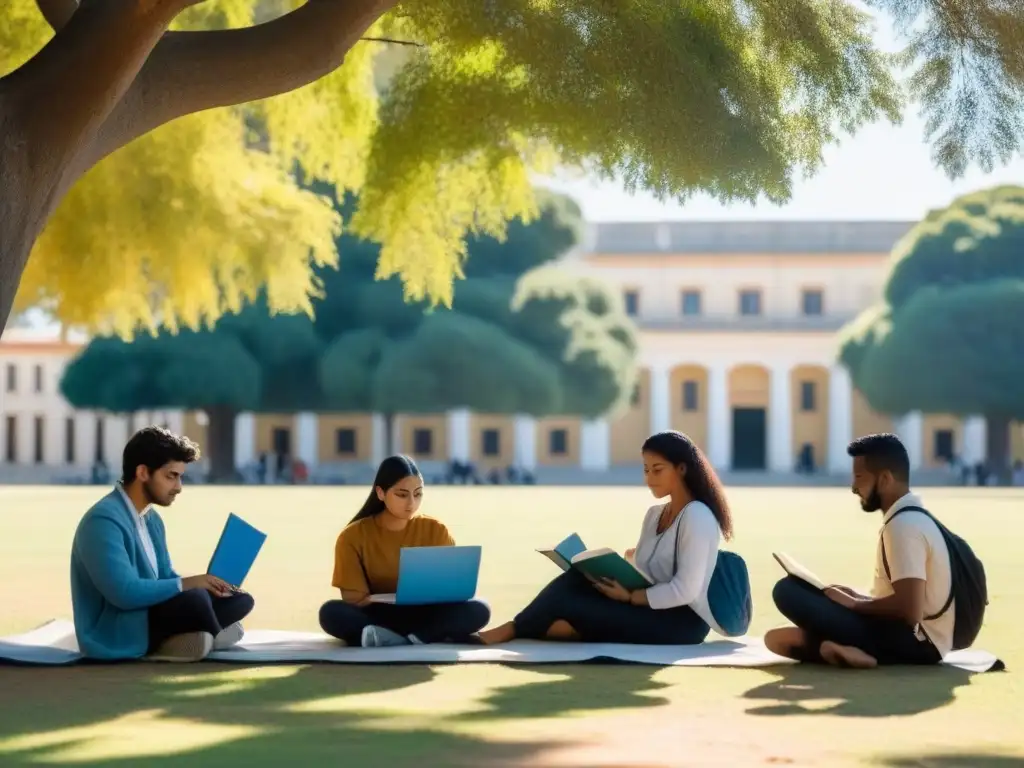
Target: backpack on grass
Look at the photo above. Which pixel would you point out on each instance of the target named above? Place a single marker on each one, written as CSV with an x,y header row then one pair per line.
x,y
728,592
968,593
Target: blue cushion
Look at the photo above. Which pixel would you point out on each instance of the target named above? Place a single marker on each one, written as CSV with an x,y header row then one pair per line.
x,y
729,595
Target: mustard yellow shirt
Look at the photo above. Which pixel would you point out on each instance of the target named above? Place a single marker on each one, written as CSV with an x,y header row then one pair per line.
x,y
366,554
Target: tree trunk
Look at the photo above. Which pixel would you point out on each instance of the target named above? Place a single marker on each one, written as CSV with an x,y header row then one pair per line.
x,y
220,439
997,448
112,73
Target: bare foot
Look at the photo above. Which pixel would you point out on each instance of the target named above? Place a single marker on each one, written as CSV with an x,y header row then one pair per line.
x,y
562,630
785,641
847,656
500,634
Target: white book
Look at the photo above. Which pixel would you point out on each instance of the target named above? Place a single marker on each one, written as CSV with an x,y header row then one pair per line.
x,y
384,597
795,569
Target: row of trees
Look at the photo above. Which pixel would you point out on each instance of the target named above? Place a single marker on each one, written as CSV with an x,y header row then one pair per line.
x,y
523,336
948,335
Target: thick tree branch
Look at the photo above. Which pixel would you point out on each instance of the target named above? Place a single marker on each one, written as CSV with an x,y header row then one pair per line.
x,y
62,96
190,72
57,12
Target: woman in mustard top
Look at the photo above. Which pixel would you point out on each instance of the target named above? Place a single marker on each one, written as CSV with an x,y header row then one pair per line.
x,y
366,563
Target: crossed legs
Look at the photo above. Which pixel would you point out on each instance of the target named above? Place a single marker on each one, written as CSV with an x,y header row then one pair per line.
x,y
826,632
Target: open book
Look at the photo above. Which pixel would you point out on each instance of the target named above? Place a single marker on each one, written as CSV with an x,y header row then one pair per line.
x,y
606,563
600,563
563,552
795,569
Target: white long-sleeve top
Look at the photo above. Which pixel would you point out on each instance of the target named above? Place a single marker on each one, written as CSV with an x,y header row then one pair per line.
x,y
681,559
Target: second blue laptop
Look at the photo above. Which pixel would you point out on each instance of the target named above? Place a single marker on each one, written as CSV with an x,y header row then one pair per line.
x,y
430,575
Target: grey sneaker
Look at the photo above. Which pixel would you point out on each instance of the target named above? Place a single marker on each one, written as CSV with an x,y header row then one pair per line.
x,y
191,646
379,637
228,637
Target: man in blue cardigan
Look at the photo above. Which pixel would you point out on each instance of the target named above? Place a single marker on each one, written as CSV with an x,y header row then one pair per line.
x,y
128,601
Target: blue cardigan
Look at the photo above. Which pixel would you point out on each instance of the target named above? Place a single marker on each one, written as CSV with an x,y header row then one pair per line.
x,y
112,581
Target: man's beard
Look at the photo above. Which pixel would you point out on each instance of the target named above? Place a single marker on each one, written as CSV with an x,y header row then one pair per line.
x,y
873,502
151,497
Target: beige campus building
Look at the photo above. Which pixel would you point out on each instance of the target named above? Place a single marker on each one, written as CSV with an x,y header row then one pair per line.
x,y
737,324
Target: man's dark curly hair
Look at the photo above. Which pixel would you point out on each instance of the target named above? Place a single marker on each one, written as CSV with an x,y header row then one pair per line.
x,y
154,447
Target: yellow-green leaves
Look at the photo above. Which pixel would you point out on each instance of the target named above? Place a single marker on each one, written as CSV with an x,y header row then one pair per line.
x,y
441,140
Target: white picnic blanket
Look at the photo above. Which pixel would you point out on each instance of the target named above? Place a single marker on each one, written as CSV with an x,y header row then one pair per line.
x,y
54,643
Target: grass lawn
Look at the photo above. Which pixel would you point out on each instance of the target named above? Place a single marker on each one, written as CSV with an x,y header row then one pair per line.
x,y
587,715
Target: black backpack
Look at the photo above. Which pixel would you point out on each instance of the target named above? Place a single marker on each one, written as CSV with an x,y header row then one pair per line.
x,y
969,587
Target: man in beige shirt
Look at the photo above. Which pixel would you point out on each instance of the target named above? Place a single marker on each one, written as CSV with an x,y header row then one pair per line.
x,y
902,621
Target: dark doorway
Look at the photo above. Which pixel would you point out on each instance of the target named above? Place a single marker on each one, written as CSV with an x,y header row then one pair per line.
x,y
749,439
281,438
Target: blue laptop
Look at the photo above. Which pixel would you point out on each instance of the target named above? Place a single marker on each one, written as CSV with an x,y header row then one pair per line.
x,y
428,575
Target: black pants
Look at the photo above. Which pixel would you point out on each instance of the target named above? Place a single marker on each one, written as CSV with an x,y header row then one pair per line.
x,y
196,610
597,619
445,622
889,641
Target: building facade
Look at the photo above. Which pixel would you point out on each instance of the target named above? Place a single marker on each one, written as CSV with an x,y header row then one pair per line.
x,y
737,324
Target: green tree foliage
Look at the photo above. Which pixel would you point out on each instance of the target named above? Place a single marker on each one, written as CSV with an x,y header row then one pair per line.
x,y
523,336
441,140
949,336
543,343
249,361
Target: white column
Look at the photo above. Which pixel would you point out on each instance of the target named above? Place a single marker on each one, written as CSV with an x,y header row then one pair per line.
x,y
115,435
975,446
719,419
396,434
25,436
595,445
378,439
54,429
661,399
245,439
525,442
307,438
85,439
910,428
780,421
840,419
459,435
176,421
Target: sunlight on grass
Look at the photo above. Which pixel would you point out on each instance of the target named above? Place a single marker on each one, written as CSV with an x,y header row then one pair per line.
x,y
212,715
146,733
227,682
456,690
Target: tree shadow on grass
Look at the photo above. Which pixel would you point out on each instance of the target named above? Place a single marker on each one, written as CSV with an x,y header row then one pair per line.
x,y
577,688
805,689
217,715
955,760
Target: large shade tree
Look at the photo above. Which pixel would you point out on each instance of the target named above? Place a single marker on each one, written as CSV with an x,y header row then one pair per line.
x,y
949,334
382,353
249,361
161,200
524,335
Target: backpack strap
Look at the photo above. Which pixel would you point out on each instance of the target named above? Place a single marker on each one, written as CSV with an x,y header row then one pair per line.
x,y
885,561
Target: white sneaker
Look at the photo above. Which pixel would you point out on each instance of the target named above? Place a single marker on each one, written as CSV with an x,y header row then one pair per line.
x,y
191,646
228,637
379,637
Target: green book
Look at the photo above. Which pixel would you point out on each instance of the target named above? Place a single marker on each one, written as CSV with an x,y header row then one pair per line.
x,y
563,552
608,564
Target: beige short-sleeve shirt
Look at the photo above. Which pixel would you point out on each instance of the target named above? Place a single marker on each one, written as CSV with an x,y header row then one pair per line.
x,y
915,549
